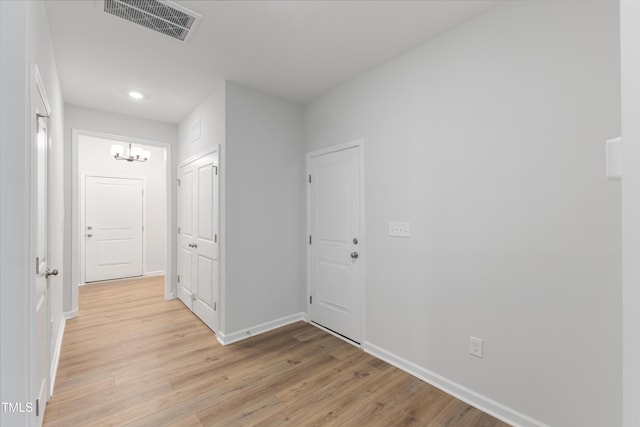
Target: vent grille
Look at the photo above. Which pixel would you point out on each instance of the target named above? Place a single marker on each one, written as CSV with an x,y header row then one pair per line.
x,y
162,16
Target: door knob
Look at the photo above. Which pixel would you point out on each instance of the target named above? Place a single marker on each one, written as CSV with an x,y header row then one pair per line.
x,y
48,273
354,255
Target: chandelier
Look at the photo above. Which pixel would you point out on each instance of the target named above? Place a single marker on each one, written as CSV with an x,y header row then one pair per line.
x,y
135,154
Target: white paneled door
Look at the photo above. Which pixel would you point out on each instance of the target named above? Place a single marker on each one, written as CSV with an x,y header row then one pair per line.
x,y
198,262
335,241
113,228
42,326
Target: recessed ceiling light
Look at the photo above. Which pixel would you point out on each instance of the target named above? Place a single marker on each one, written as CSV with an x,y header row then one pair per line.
x,y
135,95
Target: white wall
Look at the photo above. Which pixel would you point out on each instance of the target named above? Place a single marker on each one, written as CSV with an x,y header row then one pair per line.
x,y
630,38
489,140
261,200
87,119
94,158
14,210
25,40
204,128
264,208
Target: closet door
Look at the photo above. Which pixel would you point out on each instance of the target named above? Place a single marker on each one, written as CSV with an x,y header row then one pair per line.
x,y
206,241
186,233
198,238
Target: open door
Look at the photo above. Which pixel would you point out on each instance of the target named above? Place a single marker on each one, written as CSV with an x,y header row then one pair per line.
x,y
42,329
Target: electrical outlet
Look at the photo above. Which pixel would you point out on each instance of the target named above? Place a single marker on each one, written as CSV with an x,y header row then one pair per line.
x,y
399,229
475,346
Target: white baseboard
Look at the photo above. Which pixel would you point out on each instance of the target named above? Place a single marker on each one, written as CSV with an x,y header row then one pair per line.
x,y
477,400
56,352
144,275
71,314
258,329
153,273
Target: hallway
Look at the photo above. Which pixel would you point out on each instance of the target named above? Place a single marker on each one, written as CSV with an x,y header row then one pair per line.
x,y
133,358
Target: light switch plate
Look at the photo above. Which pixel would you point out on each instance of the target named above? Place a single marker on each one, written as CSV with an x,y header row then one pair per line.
x,y
475,347
399,229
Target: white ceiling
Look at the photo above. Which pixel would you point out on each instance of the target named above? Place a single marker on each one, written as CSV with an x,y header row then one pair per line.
x,y
294,49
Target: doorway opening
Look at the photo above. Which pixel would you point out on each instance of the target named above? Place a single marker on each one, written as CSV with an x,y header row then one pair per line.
x,y
122,215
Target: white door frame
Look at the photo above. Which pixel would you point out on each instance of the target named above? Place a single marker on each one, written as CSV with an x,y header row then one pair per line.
x,y
361,244
77,276
83,219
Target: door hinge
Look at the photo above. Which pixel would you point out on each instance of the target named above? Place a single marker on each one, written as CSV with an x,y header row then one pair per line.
x,y
215,306
178,230
216,168
39,116
142,227
37,407
309,239
37,265
309,179
310,299
178,278
215,238
178,182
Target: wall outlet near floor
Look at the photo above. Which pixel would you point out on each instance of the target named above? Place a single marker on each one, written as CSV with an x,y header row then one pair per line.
x,y
475,346
399,229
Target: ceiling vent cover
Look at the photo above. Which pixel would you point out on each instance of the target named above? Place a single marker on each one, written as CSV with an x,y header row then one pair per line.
x,y
165,17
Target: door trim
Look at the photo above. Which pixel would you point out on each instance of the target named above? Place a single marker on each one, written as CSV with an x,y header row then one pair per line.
x,y
76,277
362,264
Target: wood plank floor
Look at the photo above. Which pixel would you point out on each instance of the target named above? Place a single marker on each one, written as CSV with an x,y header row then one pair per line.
x,y
132,358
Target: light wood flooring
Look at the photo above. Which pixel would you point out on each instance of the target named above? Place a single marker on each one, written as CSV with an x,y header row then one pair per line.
x,y
132,358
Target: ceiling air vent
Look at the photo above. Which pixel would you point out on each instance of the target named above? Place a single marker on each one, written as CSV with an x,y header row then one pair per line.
x,y
163,16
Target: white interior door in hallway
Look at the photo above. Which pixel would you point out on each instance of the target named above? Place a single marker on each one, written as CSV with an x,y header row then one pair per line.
x,y
42,308
198,263
113,228
335,240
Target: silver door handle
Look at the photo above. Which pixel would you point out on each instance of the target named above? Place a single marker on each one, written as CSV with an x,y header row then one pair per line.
x,y
354,255
48,273
89,235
